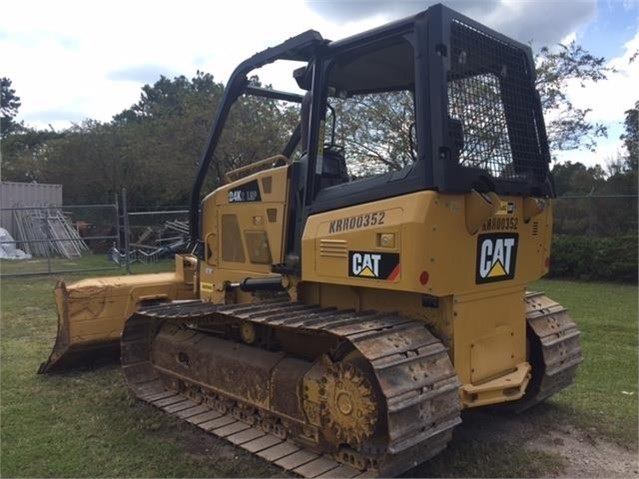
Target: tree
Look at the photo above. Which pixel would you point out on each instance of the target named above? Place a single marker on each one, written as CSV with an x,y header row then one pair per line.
x,y
575,179
24,149
631,137
9,106
375,131
256,128
169,98
85,161
153,147
25,153
593,203
568,127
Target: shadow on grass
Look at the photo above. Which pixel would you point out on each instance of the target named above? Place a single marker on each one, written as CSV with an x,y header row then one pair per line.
x,y
491,443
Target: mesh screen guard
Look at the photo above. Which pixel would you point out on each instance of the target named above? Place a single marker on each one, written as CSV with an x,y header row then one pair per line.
x,y
491,92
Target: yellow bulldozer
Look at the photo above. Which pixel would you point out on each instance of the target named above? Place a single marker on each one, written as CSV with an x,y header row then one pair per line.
x,y
340,307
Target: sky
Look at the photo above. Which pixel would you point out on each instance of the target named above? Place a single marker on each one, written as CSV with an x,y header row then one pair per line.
x,y
75,60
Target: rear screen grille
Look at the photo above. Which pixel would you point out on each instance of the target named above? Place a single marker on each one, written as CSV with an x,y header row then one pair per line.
x,y
490,91
477,103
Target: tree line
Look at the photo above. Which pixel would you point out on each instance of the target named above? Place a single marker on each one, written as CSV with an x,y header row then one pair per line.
x,y
152,147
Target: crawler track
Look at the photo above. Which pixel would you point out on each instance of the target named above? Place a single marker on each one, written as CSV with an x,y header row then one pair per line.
x,y
416,388
554,348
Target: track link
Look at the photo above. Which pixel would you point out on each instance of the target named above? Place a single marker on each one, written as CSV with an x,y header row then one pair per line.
x,y
416,380
554,349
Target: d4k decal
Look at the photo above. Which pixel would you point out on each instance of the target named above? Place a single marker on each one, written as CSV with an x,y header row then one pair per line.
x,y
246,193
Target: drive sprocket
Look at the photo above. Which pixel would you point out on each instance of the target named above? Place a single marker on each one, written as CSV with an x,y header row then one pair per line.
x,y
348,404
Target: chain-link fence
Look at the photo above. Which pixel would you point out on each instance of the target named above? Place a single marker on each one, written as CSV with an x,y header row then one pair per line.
x,y
83,238
153,235
78,238
59,239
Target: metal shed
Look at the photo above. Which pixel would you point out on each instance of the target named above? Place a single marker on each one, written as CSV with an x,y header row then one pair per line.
x,y
14,195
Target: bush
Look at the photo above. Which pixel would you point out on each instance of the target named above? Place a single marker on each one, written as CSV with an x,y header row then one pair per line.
x,y
609,259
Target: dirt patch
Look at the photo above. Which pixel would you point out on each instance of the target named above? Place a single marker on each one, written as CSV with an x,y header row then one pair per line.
x,y
587,455
488,443
584,453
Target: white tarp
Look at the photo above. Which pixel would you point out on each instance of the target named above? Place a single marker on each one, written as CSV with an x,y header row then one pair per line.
x,y
8,248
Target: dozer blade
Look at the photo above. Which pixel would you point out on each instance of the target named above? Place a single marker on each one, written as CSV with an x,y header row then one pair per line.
x,y
70,351
92,312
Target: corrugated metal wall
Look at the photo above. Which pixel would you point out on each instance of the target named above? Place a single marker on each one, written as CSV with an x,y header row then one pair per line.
x,y
13,194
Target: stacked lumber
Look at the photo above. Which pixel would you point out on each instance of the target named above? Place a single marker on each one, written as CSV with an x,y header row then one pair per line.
x,y
47,232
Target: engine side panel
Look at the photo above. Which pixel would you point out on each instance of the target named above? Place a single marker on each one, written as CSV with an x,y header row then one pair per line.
x,y
420,243
458,264
243,231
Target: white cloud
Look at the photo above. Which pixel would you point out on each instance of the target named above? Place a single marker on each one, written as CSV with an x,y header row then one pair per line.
x,y
607,149
571,37
69,60
608,100
74,60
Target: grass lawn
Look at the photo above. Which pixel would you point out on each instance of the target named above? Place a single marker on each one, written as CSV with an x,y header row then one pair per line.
x,y
604,398
85,423
44,265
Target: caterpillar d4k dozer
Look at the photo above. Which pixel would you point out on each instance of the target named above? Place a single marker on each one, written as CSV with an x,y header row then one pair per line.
x,y
334,325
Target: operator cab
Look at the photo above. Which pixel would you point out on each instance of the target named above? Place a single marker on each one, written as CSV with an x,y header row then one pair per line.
x,y
334,170
417,109
435,101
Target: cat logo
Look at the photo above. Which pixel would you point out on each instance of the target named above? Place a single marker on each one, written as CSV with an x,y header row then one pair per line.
x,y
365,264
496,257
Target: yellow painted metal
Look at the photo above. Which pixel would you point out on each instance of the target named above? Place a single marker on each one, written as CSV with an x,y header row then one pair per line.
x,y
490,334
469,292
446,276
340,398
511,386
533,207
479,207
431,235
243,239
254,167
92,312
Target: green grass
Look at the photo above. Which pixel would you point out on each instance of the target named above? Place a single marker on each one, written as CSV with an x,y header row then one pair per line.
x,y
68,266
85,423
602,402
604,397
